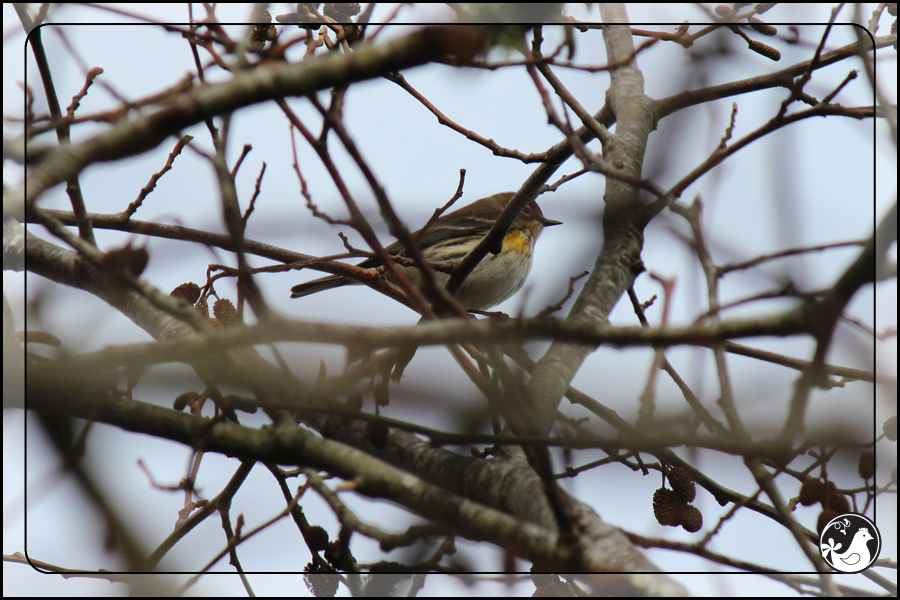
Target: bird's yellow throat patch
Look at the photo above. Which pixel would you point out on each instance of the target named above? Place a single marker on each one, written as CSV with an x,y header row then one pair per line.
x,y
517,240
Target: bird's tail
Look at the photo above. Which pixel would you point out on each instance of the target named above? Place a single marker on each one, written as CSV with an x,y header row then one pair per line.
x,y
318,285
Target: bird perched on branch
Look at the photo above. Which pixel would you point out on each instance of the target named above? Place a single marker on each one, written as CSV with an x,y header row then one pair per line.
x,y
451,237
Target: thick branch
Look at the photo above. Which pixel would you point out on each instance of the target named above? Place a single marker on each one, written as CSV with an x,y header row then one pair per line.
x,y
79,394
619,260
253,86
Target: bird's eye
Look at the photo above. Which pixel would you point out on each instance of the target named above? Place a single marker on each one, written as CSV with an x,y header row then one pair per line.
x,y
527,210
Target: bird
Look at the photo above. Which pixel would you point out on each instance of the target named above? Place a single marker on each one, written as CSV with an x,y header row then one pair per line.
x,y
855,558
451,237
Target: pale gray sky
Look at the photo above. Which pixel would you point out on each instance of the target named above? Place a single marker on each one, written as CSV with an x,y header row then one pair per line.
x,y
811,183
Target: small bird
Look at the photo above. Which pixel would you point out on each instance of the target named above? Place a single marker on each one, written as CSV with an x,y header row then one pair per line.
x,y
451,237
854,558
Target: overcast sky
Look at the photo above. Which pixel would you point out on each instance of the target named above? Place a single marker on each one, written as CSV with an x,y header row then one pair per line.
x,y
812,183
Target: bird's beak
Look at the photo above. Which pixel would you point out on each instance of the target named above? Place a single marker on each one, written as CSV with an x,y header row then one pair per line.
x,y
549,222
